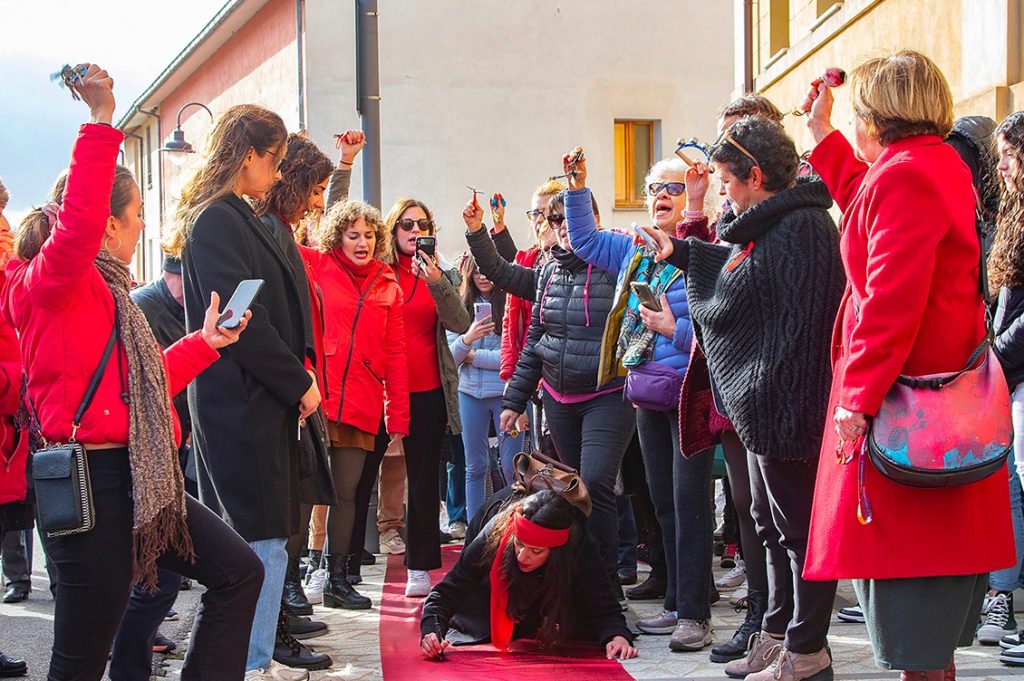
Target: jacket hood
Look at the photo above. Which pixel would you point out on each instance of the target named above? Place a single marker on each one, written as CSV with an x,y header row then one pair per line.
x,y
755,221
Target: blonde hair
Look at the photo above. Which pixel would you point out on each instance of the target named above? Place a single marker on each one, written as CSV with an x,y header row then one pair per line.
x,y
401,205
902,95
549,188
343,215
237,130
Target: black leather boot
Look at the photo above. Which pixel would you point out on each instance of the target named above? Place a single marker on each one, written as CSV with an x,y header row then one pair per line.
x,y
303,627
294,598
338,592
738,646
652,589
314,563
291,653
10,667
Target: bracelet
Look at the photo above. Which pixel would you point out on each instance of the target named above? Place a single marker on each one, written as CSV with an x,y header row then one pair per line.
x,y
345,163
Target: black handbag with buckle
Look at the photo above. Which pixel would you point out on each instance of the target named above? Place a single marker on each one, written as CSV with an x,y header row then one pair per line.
x,y
60,472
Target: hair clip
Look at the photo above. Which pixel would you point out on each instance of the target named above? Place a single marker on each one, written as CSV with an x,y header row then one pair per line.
x,y
69,76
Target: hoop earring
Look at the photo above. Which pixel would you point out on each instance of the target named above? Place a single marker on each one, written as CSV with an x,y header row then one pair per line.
x,y
117,248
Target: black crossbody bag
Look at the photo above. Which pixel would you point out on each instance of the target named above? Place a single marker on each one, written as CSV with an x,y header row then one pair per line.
x,y
60,472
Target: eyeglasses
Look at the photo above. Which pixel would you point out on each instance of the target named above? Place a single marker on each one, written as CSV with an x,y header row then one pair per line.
x,y
725,137
534,214
408,225
673,188
555,219
280,161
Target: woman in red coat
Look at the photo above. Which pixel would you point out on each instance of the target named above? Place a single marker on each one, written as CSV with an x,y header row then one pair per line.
x,y
912,307
67,295
364,370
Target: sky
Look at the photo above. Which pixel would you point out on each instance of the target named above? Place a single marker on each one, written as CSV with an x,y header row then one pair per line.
x,y
38,119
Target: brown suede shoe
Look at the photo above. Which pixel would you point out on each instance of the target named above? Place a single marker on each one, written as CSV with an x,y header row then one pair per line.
x,y
761,652
790,666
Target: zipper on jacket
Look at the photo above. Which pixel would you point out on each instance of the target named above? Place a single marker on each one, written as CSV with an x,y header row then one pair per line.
x,y
352,337
323,331
565,323
366,363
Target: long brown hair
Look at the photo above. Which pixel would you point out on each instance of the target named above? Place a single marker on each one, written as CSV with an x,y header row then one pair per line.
x,y
35,227
303,168
237,130
468,291
1006,261
401,205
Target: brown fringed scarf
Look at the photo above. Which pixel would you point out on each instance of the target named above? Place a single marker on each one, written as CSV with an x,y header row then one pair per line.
x,y
158,487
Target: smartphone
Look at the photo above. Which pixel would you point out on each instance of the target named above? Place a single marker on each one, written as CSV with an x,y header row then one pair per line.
x,y
643,291
240,301
481,311
645,236
427,244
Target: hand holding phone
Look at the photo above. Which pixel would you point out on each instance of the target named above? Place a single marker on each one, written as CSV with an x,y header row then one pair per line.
x,y
643,292
641,235
240,301
481,311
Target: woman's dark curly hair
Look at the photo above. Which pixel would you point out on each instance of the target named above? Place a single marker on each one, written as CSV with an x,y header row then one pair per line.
x,y
303,168
767,142
1006,261
552,595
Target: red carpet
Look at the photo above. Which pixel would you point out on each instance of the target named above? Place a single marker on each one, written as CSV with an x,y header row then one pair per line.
x,y
401,659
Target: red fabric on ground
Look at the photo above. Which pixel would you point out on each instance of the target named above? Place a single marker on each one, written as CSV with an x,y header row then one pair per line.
x,y
401,659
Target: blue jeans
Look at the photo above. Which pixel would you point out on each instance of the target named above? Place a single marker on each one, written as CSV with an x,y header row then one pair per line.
x,y
1010,578
477,415
274,557
455,498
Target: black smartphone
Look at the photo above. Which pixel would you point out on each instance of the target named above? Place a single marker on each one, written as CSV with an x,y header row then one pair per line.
x,y
240,301
643,291
427,244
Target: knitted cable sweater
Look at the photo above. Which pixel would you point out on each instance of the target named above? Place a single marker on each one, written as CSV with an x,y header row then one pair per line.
x,y
765,315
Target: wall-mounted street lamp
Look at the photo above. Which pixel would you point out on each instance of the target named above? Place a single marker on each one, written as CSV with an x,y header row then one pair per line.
x,y
176,142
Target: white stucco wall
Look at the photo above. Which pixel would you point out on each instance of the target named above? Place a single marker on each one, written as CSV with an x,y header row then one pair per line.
x,y
492,93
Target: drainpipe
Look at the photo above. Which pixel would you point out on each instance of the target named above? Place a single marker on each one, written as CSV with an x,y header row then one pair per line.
x,y
300,62
368,96
748,46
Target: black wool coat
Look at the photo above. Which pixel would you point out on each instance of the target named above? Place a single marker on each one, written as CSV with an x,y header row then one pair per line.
x,y
1008,325
245,407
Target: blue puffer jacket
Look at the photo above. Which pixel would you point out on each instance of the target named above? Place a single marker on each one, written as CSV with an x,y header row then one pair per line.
x,y
480,378
615,252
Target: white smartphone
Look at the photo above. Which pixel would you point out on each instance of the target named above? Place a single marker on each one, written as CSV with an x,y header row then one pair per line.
x,y
645,236
481,311
240,301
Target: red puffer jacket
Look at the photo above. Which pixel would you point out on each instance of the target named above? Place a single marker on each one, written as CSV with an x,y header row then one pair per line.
x,y
64,311
13,448
516,323
363,345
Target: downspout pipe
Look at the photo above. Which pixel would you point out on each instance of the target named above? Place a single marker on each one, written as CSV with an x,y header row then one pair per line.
x,y
368,96
748,46
300,64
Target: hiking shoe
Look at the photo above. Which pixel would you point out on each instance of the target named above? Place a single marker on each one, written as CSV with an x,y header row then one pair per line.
x,y
762,652
392,542
1013,656
457,530
662,625
733,578
314,588
277,672
853,614
729,556
1011,641
418,584
790,666
692,635
738,599
999,622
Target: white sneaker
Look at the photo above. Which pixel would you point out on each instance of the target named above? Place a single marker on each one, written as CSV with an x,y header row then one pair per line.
x,y
391,542
854,614
418,584
738,599
277,672
314,588
1011,641
457,530
733,578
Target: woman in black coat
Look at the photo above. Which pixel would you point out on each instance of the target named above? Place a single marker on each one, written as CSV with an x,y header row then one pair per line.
x,y
246,409
532,572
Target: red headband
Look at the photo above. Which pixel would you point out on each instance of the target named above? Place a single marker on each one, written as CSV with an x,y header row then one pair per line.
x,y
532,534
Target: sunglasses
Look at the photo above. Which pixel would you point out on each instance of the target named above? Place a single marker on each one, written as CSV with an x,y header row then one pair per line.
x,y
555,219
408,225
673,188
280,161
534,214
726,138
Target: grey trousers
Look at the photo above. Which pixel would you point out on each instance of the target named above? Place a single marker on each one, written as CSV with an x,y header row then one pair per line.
x,y
16,555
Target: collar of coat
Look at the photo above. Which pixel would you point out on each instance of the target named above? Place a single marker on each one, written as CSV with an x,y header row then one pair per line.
x,y
752,223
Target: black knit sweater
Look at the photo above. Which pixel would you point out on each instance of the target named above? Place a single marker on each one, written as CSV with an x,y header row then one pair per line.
x,y
765,314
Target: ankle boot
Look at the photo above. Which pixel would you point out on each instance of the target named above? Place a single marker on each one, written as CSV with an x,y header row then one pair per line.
x,y
293,598
315,557
291,653
338,592
751,627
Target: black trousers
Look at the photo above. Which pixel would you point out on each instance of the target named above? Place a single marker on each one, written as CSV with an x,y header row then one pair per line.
x,y
364,491
428,417
753,550
132,658
782,496
94,581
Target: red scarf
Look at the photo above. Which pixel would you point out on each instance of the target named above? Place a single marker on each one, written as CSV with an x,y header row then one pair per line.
x,y
359,272
531,534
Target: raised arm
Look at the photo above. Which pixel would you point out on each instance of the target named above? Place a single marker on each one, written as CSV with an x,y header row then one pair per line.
x,y
350,143
833,158
605,250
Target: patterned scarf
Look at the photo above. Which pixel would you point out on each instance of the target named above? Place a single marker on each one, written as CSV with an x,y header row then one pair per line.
x,y
158,487
636,340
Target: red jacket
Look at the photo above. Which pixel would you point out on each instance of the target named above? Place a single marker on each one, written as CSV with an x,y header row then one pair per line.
x,y
516,324
364,356
911,307
13,446
64,311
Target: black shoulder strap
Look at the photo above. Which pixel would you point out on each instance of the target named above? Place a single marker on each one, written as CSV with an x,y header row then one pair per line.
x,y
95,382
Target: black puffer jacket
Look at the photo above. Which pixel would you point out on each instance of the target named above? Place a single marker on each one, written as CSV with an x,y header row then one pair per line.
x,y
564,343
1009,328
